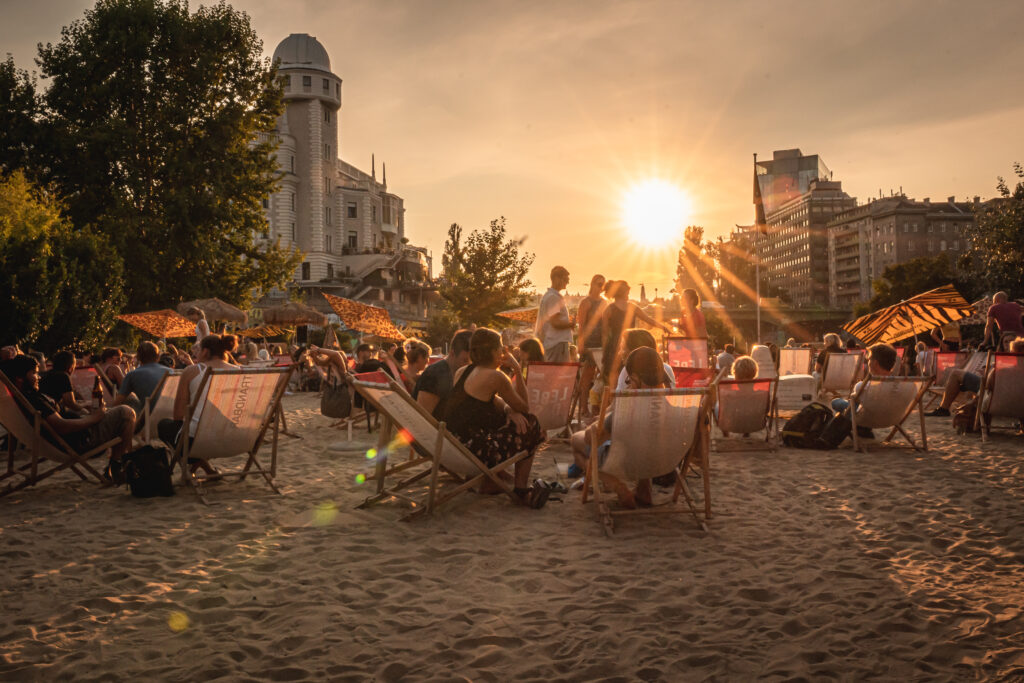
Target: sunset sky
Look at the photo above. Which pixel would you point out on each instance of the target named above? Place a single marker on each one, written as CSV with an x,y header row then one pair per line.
x,y
547,112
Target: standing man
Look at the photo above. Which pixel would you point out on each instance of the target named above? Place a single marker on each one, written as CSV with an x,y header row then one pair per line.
x,y
553,327
589,318
1004,315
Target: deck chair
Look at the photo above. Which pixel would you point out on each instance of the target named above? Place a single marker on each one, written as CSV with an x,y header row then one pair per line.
x,y
159,405
926,363
653,432
884,402
943,362
687,352
795,361
82,381
551,389
235,408
1003,395
31,432
762,355
744,407
439,450
688,378
840,373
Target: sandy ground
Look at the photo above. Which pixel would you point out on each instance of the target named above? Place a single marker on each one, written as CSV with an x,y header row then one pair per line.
x,y
890,565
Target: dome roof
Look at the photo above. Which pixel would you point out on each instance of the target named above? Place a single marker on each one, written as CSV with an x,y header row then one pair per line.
x,y
302,51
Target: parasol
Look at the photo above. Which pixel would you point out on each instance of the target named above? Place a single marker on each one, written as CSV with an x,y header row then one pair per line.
x,y
215,309
263,331
527,314
918,314
294,313
364,318
162,324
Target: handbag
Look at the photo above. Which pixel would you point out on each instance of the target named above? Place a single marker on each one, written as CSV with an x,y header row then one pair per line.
x,y
148,473
336,400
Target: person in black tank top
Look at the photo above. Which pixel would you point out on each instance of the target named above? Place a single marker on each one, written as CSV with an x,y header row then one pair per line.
x,y
492,418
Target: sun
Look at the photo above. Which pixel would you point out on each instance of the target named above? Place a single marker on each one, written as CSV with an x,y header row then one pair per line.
x,y
655,212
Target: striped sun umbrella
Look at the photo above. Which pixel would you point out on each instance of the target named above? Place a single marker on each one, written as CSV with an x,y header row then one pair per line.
x,y
915,315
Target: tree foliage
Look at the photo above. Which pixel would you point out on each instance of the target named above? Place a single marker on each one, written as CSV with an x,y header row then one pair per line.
x,y
695,267
483,274
150,131
901,281
19,112
996,253
61,286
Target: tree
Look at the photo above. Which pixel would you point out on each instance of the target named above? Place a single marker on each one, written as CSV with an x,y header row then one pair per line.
x,y
695,268
996,240
152,124
904,280
483,274
19,112
62,287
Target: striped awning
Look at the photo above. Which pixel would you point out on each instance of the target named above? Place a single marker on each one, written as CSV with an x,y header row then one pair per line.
x,y
916,315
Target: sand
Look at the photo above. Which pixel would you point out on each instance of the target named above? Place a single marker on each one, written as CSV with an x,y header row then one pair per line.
x,y
890,565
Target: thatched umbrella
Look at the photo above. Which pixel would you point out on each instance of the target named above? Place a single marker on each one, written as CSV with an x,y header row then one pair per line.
x,y
294,313
163,324
215,309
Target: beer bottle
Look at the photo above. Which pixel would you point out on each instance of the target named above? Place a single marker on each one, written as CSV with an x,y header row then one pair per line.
x,y
97,394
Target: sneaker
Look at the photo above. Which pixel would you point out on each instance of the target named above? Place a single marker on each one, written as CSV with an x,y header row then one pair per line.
x,y
575,471
938,412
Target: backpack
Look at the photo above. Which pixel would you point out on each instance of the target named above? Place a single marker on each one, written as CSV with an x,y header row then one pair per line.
x,y
148,473
963,417
803,429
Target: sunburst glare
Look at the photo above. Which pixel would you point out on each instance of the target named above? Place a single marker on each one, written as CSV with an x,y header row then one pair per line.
x,y
655,212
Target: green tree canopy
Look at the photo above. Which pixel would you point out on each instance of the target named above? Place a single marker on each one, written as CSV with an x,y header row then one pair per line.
x,y
996,253
152,123
904,280
483,274
695,266
19,113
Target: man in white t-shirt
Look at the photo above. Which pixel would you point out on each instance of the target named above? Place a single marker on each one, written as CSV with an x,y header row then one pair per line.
x,y
553,327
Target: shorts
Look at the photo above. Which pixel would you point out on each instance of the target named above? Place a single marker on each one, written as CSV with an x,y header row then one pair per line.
x,y
558,353
111,426
970,383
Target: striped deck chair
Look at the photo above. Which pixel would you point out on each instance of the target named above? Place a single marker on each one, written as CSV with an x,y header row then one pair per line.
x,y
159,405
744,407
884,402
655,431
46,449
235,409
840,373
405,422
687,352
551,390
1003,395
795,361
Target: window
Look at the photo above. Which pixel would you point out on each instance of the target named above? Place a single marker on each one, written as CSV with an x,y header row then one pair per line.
x,y
956,244
327,185
330,271
353,240
327,86
942,245
910,245
266,202
293,164
327,151
327,215
906,227
305,270
374,215
293,232
931,228
931,246
337,90
265,232
293,200
327,115
327,244
307,81
915,227
353,210
287,81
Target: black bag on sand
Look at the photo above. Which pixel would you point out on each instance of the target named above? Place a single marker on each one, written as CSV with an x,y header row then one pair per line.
x,y
803,429
964,416
336,401
835,432
148,472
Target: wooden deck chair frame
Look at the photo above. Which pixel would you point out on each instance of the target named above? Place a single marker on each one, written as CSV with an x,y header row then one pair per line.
x,y
183,451
769,425
697,456
31,432
983,421
840,392
432,452
897,425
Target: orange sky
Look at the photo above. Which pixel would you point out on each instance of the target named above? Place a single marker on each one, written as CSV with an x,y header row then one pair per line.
x,y
546,112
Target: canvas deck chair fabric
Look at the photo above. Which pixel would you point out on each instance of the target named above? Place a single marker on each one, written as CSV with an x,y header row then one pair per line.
x,y
795,361
159,405
361,413
943,362
551,389
47,456
887,402
652,434
744,407
689,378
1003,395
687,352
840,373
235,409
83,379
440,451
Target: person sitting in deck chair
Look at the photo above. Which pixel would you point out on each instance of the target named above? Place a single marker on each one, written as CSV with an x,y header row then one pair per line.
x,y
140,383
435,383
881,358
489,414
833,344
958,380
417,357
743,368
56,383
98,427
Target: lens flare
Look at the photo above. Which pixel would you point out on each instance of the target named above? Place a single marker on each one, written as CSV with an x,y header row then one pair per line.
x,y
371,454
178,621
324,513
360,478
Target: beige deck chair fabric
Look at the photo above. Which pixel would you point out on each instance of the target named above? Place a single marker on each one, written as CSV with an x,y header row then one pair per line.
x,y
235,408
839,374
82,380
1003,396
30,433
884,402
550,388
160,404
795,361
744,407
652,432
441,449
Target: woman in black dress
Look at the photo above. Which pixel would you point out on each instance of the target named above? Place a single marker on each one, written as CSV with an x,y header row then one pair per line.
x,y
490,415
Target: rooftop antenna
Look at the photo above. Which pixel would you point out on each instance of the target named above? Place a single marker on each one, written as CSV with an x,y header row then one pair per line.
x,y
373,166
384,170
